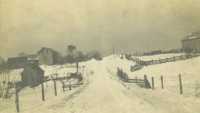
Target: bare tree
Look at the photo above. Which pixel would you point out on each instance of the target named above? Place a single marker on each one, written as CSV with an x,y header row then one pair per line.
x,y
71,53
71,48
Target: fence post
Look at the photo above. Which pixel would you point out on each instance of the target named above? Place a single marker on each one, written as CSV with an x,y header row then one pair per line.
x,y
70,86
63,86
162,83
197,89
136,79
152,79
55,87
146,82
43,95
180,84
77,66
17,98
174,58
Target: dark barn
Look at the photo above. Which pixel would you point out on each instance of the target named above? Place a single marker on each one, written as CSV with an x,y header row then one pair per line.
x,y
32,75
49,56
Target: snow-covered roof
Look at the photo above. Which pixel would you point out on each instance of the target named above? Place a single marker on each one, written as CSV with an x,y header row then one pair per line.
x,y
194,35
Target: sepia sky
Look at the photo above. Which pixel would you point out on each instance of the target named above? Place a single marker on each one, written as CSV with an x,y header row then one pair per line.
x,y
127,25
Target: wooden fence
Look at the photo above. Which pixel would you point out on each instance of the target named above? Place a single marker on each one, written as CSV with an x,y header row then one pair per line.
x,y
140,82
179,84
165,60
6,83
140,63
63,80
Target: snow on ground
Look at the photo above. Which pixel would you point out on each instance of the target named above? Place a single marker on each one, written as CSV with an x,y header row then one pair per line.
x,y
157,57
31,98
189,69
60,70
104,93
13,76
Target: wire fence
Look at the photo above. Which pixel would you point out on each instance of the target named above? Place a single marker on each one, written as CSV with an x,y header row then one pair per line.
x,y
7,81
182,84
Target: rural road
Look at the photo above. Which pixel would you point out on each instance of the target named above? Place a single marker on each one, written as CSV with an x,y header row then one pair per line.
x,y
105,94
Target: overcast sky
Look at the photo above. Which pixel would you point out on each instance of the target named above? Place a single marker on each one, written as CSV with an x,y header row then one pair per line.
x,y
129,25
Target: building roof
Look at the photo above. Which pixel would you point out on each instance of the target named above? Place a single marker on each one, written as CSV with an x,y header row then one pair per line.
x,y
44,49
192,36
33,66
17,59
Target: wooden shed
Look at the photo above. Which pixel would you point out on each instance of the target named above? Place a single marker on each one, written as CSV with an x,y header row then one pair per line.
x,y
32,75
191,43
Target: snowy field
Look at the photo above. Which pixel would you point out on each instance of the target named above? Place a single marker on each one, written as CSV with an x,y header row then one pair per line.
x,y
103,92
30,99
189,69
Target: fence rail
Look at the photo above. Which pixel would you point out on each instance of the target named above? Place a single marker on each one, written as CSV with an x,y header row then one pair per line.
x,y
164,60
140,82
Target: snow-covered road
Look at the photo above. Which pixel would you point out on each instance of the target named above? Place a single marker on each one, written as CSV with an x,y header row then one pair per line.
x,y
104,93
